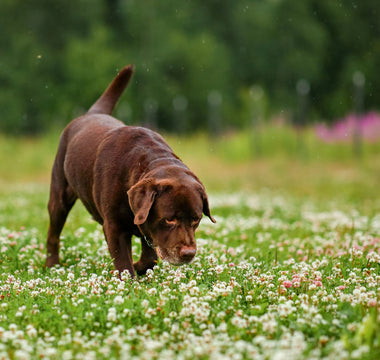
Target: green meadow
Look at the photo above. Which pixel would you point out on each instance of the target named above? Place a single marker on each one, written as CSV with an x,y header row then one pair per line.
x,y
291,269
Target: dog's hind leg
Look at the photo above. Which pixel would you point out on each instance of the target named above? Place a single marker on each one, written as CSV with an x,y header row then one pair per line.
x,y
62,199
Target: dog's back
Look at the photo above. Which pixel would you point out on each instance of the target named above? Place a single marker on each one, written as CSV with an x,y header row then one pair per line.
x,y
81,138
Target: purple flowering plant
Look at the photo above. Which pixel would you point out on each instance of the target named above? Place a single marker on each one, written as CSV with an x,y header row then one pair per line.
x,y
367,125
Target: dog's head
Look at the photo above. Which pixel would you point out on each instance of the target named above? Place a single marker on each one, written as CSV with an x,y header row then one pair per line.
x,y
169,211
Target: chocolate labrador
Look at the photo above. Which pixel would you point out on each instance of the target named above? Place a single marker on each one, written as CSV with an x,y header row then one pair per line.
x,y
131,182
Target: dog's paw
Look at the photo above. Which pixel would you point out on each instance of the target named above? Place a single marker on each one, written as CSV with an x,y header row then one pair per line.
x,y
51,261
141,268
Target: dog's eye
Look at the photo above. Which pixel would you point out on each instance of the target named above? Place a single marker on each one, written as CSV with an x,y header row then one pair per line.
x,y
171,222
195,222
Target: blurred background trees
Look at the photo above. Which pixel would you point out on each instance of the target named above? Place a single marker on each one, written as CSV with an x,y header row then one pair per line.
x,y
195,60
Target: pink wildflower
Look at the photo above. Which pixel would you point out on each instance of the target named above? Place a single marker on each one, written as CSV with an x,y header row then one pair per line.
x,y
231,251
372,302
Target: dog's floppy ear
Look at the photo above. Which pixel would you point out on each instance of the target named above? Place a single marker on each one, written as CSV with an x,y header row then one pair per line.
x,y
141,197
206,208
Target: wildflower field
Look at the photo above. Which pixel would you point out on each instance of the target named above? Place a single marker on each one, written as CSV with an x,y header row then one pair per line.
x,y
279,276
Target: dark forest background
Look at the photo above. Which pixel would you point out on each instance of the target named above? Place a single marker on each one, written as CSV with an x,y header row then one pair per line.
x,y
195,60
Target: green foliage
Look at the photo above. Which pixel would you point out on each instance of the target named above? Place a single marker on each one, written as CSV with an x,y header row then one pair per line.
x,y
57,57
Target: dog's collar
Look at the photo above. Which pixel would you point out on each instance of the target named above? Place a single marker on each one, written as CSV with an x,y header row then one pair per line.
x,y
147,239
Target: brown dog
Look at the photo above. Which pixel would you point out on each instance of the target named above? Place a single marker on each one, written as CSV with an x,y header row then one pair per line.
x,y
131,182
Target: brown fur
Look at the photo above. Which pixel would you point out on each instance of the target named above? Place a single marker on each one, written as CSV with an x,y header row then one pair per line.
x,y
130,181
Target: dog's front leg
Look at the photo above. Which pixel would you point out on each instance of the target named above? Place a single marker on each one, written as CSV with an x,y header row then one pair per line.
x,y
147,260
120,247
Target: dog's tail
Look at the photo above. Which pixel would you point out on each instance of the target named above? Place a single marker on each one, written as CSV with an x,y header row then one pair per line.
x,y
106,103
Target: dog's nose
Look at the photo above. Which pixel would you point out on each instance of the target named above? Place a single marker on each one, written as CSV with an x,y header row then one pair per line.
x,y
187,253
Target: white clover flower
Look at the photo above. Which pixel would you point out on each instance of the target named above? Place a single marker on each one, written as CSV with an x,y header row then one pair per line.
x,y
70,276
31,331
336,322
57,301
82,290
175,329
269,326
118,300
131,333
145,303
239,322
150,312
223,327
61,271
149,273
21,355
248,298
67,355
194,290
152,291
360,352
172,314
112,315
50,352
201,315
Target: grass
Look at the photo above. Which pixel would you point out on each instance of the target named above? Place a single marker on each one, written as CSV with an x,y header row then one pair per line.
x,y
290,269
231,163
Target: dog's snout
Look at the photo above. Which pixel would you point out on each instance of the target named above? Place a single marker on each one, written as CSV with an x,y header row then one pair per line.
x,y
187,253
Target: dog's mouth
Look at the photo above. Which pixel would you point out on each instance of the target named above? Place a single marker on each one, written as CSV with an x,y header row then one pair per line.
x,y
176,256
